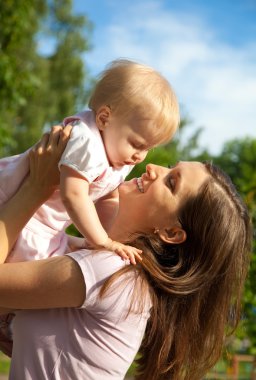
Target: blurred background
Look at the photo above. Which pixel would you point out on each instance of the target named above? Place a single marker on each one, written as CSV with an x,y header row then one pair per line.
x,y
51,52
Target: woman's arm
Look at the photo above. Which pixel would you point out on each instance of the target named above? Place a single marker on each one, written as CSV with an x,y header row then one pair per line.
x,y
56,282
4,311
50,283
35,190
14,215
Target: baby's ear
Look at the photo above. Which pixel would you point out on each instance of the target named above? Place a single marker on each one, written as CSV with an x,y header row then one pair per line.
x,y
102,117
174,235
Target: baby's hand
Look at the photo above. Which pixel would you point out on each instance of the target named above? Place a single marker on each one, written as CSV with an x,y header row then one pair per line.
x,y
125,251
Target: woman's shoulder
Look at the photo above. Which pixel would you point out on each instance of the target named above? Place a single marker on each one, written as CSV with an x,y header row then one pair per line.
x,y
103,263
98,267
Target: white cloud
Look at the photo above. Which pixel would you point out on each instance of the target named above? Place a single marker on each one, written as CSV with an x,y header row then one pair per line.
x,y
216,82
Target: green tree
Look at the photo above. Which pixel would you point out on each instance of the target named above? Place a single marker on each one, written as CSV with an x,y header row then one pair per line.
x,y
19,22
38,90
238,159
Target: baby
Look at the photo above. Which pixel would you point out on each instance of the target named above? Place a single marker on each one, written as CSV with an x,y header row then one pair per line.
x,y
131,110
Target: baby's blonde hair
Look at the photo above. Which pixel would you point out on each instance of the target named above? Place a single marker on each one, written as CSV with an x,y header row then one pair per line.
x,y
128,87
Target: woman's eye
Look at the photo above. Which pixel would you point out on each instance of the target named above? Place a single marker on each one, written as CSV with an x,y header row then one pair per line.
x,y
172,183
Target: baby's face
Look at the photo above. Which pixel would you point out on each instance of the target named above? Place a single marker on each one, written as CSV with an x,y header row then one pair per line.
x,y
127,141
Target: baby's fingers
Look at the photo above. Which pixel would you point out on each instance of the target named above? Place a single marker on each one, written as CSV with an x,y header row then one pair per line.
x,y
134,254
121,252
138,254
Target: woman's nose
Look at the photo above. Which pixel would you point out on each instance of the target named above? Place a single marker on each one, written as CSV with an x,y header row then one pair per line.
x,y
151,171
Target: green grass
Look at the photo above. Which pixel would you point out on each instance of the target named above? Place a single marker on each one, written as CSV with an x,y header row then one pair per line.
x,y
131,370
4,364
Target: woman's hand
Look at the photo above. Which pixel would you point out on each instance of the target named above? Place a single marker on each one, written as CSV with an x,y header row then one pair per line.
x,y
44,157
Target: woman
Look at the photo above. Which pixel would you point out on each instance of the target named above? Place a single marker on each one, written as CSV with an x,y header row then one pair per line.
x,y
194,231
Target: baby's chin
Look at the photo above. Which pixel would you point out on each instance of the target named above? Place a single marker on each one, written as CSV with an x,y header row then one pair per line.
x,y
119,164
116,165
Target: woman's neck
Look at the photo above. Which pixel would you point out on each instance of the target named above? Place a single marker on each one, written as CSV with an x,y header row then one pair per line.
x,y
121,231
127,225
119,234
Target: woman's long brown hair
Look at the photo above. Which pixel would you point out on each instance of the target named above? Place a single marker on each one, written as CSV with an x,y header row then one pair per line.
x,y
196,286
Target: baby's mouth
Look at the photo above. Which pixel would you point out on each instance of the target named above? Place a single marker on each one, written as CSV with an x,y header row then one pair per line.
x,y
140,184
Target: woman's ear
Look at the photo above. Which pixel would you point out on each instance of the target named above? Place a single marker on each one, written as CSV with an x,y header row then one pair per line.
x,y
102,117
174,235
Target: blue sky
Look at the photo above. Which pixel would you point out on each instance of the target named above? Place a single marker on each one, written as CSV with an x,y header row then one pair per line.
x,y
205,48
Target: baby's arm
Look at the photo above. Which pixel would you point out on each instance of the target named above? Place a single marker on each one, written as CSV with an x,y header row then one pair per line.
x,y
75,195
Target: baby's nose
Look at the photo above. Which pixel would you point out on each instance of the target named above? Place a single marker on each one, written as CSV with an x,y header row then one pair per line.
x,y
139,156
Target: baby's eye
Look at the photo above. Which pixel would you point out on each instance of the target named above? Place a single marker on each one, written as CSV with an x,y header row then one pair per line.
x,y
137,145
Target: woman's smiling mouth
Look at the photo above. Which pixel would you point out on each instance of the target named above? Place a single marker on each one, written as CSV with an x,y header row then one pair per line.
x,y
140,184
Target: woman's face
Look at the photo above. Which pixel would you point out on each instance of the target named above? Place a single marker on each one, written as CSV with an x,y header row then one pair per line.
x,y
153,201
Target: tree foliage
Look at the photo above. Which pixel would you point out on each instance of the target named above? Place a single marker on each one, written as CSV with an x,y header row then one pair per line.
x,y
238,160
37,88
19,23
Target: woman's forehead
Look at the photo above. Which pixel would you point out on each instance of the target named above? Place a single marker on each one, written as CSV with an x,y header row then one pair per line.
x,y
191,176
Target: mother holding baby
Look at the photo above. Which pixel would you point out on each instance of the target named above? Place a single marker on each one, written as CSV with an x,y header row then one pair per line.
x,y
85,315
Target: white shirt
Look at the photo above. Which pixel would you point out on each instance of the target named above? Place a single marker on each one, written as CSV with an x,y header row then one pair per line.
x,y
96,342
